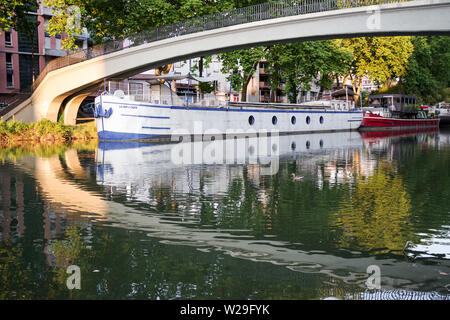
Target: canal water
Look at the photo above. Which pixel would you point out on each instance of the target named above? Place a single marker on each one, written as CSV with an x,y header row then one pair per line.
x,y
330,215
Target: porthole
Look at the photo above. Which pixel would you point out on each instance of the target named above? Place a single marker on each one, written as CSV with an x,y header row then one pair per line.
x,y
293,146
308,144
321,144
274,120
251,120
293,120
308,120
321,120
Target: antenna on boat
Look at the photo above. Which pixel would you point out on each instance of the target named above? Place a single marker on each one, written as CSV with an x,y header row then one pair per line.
x,y
187,94
346,96
231,87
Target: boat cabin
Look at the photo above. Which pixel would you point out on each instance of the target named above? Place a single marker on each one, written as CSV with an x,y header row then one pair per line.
x,y
394,103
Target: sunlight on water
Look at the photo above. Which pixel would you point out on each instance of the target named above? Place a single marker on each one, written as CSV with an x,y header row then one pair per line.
x,y
292,217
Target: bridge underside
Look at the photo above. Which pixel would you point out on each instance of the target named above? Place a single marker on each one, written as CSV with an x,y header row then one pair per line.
x,y
70,84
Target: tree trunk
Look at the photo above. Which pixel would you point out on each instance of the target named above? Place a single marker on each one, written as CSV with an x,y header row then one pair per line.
x,y
33,71
337,81
200,73
246,82
32,58
344,81
273,95
357,92
244,91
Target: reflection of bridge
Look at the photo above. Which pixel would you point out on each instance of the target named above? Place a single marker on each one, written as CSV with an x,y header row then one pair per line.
x,y
70,80
58,176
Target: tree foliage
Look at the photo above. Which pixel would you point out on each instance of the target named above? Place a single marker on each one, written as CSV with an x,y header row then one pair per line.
x,y
296,64
302,63
428,75
381,59
241,65
13,14
106,19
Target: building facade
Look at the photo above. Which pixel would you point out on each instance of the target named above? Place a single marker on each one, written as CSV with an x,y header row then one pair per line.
x,y
20,54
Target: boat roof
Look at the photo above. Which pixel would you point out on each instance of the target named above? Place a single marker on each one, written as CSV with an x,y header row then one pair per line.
x,y
174,76
387,95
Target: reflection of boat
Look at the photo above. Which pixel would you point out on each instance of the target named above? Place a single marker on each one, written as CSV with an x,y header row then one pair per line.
x,y
395,112
162,116
382,134
442,110
122,163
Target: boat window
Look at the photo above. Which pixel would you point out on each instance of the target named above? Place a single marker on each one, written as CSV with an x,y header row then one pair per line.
x,y
251,120
293,120
321,144
274,120
308,120
293,145
321,120
308,144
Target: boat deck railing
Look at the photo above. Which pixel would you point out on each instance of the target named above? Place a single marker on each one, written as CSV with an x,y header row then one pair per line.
x,y
221,101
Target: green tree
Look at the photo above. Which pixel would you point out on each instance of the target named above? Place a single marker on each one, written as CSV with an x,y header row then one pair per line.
x,y
427,75
300,64
13,14
241,65
381,59
106,19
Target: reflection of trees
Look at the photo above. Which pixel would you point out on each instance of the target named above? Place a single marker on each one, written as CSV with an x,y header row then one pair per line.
x,y
373,216
429,186
14,276
67,251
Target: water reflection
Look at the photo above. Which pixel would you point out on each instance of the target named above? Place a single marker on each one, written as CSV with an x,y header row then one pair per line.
x,y
356,206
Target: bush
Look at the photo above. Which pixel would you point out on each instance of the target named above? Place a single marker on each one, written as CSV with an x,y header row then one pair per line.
x,y
45,129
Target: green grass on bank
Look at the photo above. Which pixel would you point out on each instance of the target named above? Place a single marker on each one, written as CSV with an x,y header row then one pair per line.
x,y
45,130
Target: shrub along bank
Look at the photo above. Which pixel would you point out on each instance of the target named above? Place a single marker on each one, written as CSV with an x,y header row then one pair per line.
x,y
45,131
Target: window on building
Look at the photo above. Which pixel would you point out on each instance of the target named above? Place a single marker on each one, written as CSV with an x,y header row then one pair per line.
x,y
9,63
8,39
9,71
137,90
9,80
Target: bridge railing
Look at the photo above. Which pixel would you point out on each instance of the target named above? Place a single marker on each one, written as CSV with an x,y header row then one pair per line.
x,y
260,12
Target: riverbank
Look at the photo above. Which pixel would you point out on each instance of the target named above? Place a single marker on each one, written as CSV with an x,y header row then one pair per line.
x,y
45,131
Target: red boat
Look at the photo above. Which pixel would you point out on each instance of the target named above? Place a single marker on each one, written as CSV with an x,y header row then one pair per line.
x,y
395,112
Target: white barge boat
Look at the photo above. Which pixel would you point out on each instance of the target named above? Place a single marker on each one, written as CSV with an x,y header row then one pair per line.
x,y
121,117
